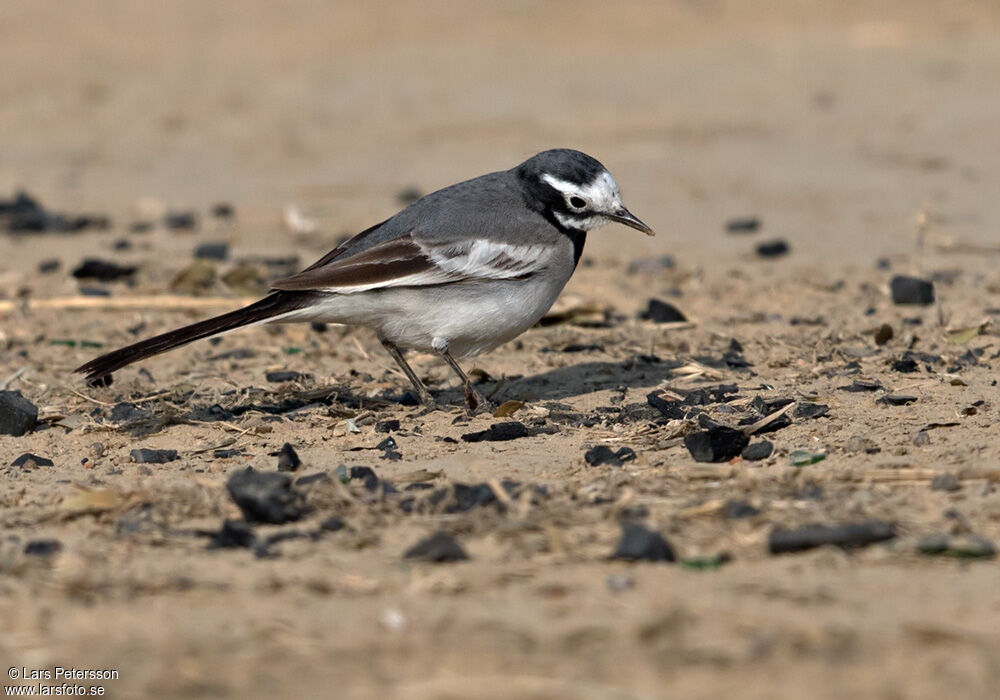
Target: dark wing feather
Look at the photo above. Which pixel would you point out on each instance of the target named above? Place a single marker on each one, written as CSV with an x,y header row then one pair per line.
x,y
397,262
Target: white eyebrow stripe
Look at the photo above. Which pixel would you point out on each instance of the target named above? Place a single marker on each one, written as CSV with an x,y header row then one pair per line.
x,y
602,194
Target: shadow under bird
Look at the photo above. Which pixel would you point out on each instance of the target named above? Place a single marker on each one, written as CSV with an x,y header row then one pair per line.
x,y
457,273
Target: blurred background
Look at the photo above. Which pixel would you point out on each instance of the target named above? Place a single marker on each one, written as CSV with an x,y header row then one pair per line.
x,y
836,123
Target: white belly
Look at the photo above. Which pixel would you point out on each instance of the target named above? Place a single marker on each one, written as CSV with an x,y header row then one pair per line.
x,y
472,317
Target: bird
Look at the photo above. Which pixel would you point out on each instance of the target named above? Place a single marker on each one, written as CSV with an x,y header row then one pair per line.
x,y
457,273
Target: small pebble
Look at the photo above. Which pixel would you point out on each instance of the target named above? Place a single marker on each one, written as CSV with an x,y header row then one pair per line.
x,y
31,461
808,410
408,195
851,535
639,544
739,509
332,524
883,334
773,249
102,270
743,224
897,399
233,534
757,451
266,497
144,455
662,312
945,482
42,548
288,459
223,210
499,432
719,444
439,547
911,290
604,455
180,220
17,415
217,250
284,376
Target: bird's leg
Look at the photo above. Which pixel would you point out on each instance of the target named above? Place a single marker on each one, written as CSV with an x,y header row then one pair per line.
x,y
474,400
422,393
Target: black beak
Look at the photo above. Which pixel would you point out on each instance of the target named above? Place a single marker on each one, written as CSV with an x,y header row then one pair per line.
x,y
624,216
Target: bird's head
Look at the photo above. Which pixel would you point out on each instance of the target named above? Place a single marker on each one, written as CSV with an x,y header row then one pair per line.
x,y
575,191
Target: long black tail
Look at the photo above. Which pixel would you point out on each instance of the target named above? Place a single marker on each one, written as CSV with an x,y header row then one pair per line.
x,y
99,369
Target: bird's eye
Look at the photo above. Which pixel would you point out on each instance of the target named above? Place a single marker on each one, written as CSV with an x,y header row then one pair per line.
x,y
577,202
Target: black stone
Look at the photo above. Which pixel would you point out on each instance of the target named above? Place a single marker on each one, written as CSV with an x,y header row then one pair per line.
x,y
17,414
757,451
897,399
582,347
47,266
847,536
288,375
362,473
811,410
743,224
662,312
42,548
102,270
739,509
332,524
408,195
639,544
438,548
716,445
30,461
668,409
180,220
212,251
125,412
772,249
861,385
266,497
223,210
145,455
387,426
226,454
233,534
94,291
387,444
499,432
603,454
288,459
911,290
905,364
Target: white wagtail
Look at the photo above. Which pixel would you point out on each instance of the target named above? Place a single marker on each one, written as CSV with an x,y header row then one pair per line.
x,y
457,273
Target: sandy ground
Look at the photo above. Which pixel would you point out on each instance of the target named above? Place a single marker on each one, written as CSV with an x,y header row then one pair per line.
x,y
842,126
